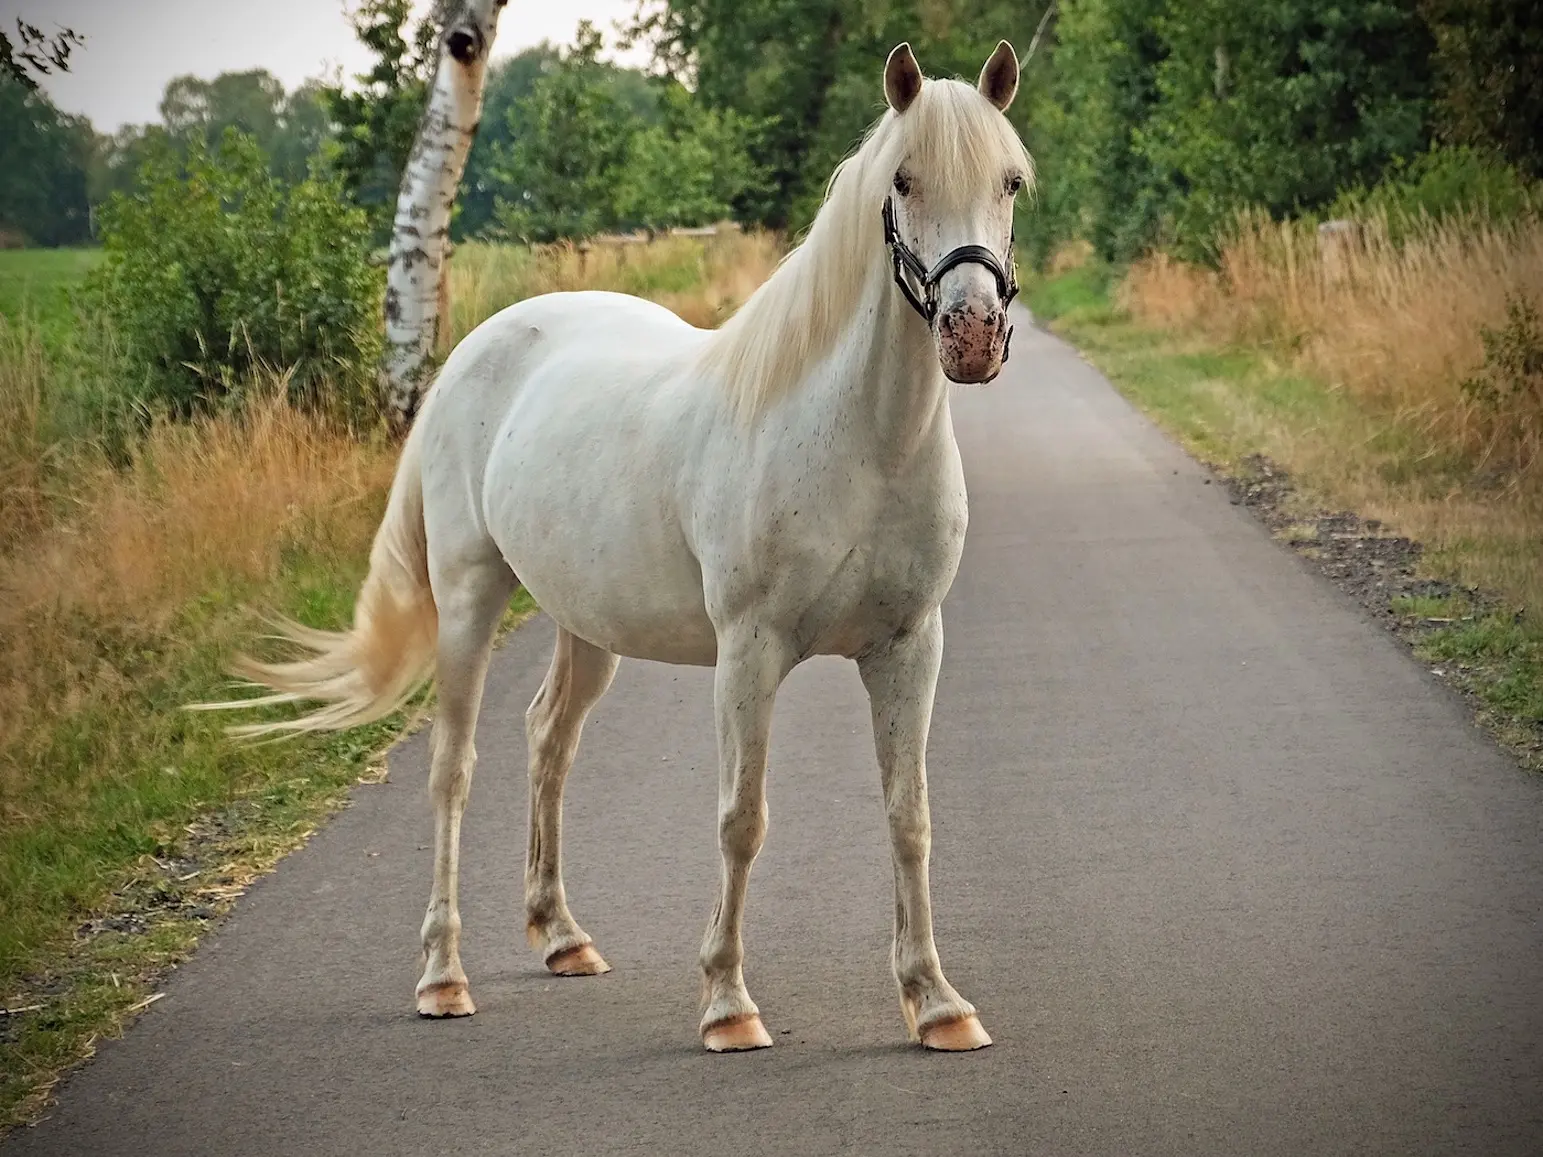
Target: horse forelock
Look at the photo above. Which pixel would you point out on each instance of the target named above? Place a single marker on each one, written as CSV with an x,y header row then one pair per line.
x,y
955,143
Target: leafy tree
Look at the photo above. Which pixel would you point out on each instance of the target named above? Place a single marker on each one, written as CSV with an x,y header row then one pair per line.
x,y
303,132
249,102
571,136
44,159
1489,76
688,169
774,60
214,267
1093,85
807,73
293,129
378,121
1284,103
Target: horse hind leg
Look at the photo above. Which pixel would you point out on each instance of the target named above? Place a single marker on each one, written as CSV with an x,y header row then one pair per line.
x,y
579,675
471,602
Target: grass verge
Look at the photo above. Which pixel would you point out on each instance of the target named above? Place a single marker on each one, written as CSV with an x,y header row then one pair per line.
x,y
1231,403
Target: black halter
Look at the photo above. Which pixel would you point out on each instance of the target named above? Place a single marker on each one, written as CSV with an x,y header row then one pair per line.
x,y
906,262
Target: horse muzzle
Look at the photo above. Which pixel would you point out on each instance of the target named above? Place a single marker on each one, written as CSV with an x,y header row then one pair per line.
x,y
972,341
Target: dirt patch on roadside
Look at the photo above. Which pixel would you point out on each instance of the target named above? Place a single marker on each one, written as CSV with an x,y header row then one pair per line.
x,y
1357,554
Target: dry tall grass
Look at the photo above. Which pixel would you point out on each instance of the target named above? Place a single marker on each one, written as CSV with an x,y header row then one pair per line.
x,y
91,549
1398,325
211,505
23,442
703,279
1397,328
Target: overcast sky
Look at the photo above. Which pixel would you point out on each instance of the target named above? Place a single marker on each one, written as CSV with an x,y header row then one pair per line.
x,y
133,47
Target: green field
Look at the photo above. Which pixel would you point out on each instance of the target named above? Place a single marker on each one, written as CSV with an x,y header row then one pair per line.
x,y
127,824
39,283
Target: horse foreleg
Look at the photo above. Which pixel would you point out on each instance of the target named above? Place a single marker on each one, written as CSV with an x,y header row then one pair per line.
x,y
471,602
579,675
751,665
901,677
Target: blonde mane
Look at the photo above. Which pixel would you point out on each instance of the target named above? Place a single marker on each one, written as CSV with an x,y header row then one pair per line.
x,y
955,141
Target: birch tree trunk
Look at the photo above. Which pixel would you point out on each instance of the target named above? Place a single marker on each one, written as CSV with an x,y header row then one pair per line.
x,y
421,229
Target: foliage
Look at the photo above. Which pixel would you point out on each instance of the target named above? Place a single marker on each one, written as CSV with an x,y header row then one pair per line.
x,y
44,156
807,74
590,148
687,170
34,51
378,121
1095,183
289,128
1281,105
571,140
1489,76
1512,374
1155,121
215,268
1445,182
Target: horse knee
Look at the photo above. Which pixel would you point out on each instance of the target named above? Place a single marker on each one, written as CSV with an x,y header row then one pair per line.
x,y
742,831
450,775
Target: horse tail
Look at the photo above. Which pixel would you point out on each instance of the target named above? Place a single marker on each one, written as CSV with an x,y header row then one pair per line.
x,y
368,671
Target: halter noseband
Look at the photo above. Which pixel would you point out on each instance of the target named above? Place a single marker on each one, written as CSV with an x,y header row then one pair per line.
x,y
926,302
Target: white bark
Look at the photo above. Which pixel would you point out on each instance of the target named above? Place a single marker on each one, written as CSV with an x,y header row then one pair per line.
x,y
420,232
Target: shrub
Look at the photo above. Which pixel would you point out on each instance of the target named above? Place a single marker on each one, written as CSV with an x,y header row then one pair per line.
x,y
1438,185
1512,373
214,270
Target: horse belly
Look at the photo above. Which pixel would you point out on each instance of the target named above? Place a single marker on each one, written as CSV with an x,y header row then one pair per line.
x,y
584,514
626,602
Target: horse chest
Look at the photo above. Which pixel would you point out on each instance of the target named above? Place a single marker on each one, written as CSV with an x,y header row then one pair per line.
x,y
876,568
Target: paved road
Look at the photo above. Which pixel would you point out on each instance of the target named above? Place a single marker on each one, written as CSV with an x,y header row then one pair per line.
x,y
1225,871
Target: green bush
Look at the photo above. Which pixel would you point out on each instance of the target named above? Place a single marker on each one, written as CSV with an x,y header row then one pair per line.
x,y
1512,373
214,270
1442,183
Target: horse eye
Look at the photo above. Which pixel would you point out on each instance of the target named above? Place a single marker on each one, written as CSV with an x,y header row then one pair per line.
x,y
903,183
1014,183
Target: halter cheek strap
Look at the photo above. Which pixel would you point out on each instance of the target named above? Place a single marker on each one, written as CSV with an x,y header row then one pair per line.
x,y
923,296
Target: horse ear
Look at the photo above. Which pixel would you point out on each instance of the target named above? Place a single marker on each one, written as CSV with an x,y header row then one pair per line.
x,y
902,78
999,79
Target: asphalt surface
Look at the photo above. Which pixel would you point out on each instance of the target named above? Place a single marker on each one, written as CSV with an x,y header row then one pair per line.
x,y
1224,869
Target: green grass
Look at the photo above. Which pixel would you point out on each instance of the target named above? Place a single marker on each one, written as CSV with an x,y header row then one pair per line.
x,y
126,823
39,283
1081,294
1225,403
181,793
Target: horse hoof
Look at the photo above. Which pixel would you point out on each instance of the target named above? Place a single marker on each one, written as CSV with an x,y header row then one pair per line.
x,y
958,1035
580,961
736,1034
447,998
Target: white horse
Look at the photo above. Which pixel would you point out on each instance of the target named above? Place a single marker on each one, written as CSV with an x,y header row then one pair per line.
x,y
784,487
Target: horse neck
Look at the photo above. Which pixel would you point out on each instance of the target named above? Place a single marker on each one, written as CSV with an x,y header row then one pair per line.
x,y
891,386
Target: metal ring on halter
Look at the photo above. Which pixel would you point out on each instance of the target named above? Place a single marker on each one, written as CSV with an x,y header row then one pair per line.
x,y
926,302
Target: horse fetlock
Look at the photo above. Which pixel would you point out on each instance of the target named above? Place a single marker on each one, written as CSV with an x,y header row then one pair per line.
x,y
926,998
